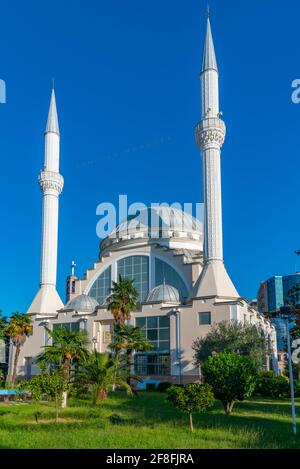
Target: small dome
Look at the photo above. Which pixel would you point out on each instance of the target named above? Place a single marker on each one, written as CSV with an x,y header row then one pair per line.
x,y
83,303
164,294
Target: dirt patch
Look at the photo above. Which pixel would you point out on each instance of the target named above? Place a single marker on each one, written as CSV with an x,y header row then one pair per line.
x,y
60,420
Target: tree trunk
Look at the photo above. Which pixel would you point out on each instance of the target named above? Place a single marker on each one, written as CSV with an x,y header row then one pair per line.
x,y
228,406
191,422
102,394
14,375
56,408
128,359
64,398
66,372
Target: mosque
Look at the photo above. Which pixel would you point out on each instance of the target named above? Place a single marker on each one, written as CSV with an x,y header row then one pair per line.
x,y
178,268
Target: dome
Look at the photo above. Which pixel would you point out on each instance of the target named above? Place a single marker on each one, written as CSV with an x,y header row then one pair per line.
x,y
82,303
159,222
163,294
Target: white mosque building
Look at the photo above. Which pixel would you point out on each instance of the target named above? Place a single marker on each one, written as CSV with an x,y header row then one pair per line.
x,y
178,269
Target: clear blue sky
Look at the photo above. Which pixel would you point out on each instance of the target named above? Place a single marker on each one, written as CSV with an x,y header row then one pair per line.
x,y
126,75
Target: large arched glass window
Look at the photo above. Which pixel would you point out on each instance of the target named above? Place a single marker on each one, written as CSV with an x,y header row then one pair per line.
x,y
137,268
101,287
165,273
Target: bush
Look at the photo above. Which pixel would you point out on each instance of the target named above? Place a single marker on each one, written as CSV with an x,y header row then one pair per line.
x,y
191,398
163,387
297,388
150,387
270,385
232,377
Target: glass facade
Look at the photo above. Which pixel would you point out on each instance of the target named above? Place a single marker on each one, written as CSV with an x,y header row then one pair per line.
x,y
288,282
137,268
275,293
157,330
157,361
164,272
101,287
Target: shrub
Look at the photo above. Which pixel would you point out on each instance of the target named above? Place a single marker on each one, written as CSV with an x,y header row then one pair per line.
x,y
163,387
232,377
297,388
270,385
235,337
191,398
150,387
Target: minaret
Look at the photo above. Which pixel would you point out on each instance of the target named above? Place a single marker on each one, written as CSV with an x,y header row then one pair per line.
x,y
210,136
47,300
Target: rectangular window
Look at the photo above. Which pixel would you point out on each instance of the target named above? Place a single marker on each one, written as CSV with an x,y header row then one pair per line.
x,y
152,364
72,326
204,318
156,362
28,365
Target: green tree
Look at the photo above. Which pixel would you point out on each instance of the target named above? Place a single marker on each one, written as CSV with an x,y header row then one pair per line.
x,y
52,384
122,299
294,303
231,376
68,348
4,342
19,327
242,339
102,372
129,339
191,398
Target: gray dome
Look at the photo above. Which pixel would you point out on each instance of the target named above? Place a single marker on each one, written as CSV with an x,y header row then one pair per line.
x,y
83,303
164,294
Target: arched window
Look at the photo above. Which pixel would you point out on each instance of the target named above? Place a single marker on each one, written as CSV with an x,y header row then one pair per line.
x,y
137,268
165,273
101,287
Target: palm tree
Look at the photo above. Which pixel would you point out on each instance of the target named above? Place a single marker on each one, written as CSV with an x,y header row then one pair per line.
x,y
18,329
103,372
68,347
122,299
129,339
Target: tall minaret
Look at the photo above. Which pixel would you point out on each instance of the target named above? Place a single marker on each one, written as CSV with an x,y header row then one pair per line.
x,y
210,136
47,300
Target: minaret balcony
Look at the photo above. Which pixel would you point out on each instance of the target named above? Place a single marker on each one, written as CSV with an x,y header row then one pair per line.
x,y
49,180
210,131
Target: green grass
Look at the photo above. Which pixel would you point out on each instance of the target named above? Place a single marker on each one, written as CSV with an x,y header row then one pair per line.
x,y
147,422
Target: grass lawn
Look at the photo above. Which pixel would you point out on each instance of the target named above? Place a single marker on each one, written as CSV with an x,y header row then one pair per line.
x,y
146,422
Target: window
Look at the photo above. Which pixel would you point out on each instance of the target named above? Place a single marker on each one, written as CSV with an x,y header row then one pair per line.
x,y
72,326
204,318
28,364
101,287
152,364
136,268
165,273
157,330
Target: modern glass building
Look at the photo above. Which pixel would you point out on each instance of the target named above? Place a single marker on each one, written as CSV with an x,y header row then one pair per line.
x,y
272,295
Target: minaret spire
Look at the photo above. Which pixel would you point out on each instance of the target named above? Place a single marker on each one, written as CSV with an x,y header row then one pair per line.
x,y
209,60
210,136
52,122
47,300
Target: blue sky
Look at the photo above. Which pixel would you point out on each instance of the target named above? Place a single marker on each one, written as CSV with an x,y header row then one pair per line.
x,y
127,89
